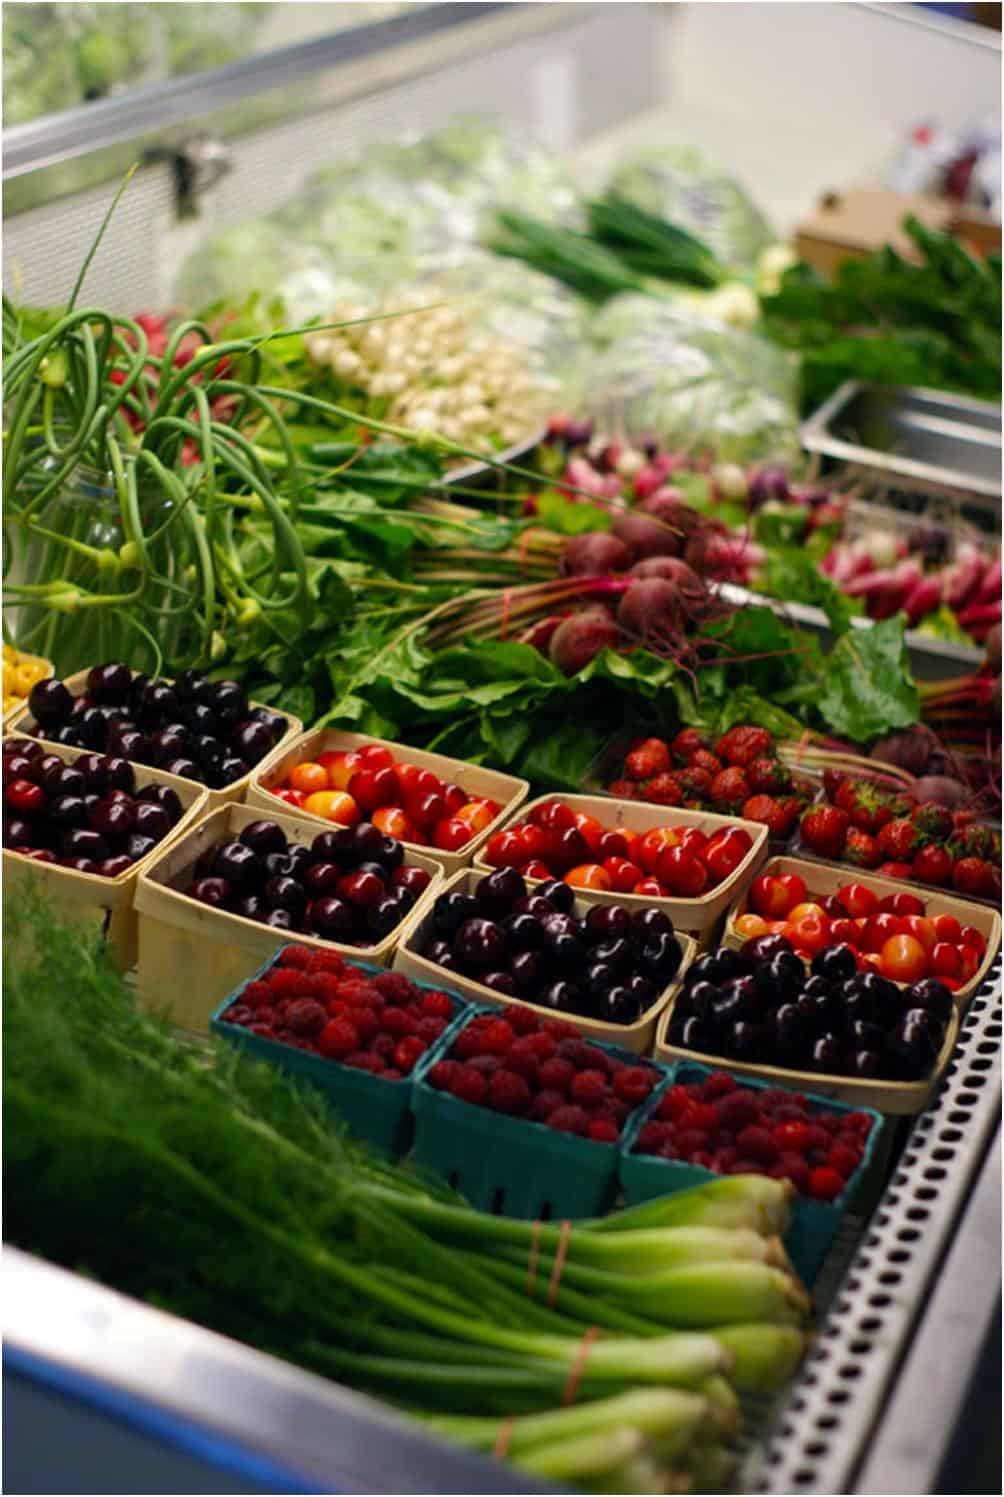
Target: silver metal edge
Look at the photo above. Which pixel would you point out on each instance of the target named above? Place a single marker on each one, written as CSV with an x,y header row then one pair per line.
x,y
342,1440
91,127
825,1426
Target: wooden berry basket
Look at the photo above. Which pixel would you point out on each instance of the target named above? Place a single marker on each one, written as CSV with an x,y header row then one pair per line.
x,y
22,725
825,878
698,917
894,1098
488,784
108,902
637,1037
18,707
192,956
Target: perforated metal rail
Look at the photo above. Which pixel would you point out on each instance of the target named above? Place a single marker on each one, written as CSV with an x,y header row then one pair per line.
x,y
820,1433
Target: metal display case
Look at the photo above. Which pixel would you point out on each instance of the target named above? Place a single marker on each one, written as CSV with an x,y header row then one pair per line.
x,y
106,1395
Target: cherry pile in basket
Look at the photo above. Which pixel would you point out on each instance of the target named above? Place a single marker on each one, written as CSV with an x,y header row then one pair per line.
x,y
744,1130
610,965
891,934
876,827
87,815
313,1000
199,729
351,885
740,774
402,799
541,1070
761,1006
553,841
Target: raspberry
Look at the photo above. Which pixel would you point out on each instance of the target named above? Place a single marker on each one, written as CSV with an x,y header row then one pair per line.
x,y
430,1028
468,1085
619,1111
508,1092
569,1120
790,1113
239,1013
265,1030
652,1137
383,1045
543,1046
544,1103
633,1083
442,1074
589,1089
579,1054
702,1115
392,1074
674,1102
327,961
338,1039
773,1097
287,982
718,1084
367,1024
603,1131
295,956
306,1017
364,1060
556,1075
467,1044
724,1159
326,987
496,1037
844,1160
825,1184
688,1141
523,1020
437,1006
858,1122
704,1159
358,991
258,995
394,987
737,1110
818,1138
408,1052
522,1060
398,1022
756,1143
486,1064
791,1167
558,1029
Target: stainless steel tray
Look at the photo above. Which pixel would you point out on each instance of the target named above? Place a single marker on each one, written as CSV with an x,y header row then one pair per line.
x,y
927,440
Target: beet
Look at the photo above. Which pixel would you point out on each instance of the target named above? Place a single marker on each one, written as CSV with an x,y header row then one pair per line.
x,y
940,788
992,645
594,555
646,536
909,750
580,638
653,605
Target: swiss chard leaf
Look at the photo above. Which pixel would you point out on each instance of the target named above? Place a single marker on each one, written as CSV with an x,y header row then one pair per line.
x,y
867,689
794,577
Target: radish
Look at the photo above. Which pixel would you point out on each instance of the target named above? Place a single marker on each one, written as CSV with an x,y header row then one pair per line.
x,y
990,587
594,554
924,598
647,480
580,638
646,536
769,483
883,547
979,618
964,578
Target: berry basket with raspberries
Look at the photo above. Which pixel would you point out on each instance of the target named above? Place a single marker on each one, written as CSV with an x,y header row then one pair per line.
x,y
741,773
692,864
524,1117
881,827
701,1122
903,934
194,728
606,970
238,885
425,800
352,1031
83,826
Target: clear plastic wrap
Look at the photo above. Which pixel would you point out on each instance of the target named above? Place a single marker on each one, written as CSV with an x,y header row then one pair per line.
x,y
680,184
697,385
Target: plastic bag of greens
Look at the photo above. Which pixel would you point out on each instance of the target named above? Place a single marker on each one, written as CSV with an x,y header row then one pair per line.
x,y
682,185
259,256
695,384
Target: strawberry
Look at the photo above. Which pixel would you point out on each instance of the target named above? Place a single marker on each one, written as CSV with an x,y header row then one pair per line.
x,y
768,775
832,781
647,758
623,789
702,759
933,865
933,821
861,849
975,841
975,876
741,745
687,742
895,870
824,830
695,782
664,789
766,809
898,839
730,789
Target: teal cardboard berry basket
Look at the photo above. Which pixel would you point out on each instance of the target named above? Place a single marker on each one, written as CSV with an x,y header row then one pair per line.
x,y
374,1109
814,1224
512,1166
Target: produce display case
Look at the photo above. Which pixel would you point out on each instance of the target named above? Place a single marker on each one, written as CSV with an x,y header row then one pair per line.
x,y
108,1394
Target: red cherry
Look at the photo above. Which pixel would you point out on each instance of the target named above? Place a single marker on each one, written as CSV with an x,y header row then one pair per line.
x,y
553,814
362,889
451,835
25,797
427,809
568,849
376,756
454,798
371,788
